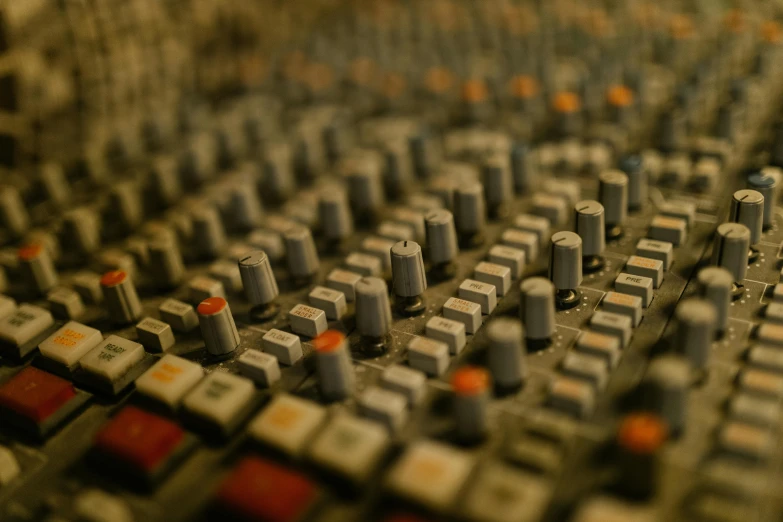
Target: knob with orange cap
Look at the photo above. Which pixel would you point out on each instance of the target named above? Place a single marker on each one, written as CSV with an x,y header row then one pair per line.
x,y
119,294
640,438
217,326
333,364
37,268
471,385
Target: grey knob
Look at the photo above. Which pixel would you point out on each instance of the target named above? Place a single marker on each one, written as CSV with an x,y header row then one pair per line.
x,y
408,277
125,205
278,170
696,322
565,261
441,236
506,351
633,166
302,255
13,214
165,260
365,187
246,210
37,268
747,207
208,231
164,182
767,181
81,230
498,181
335,215
258,280
715,285
730,251
590,227
613,195
470,212
55,184
373,312
668,380
537,307
119,294
524,167
217,326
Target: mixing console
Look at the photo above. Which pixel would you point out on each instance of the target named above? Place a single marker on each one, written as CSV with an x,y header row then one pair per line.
x,y
391,260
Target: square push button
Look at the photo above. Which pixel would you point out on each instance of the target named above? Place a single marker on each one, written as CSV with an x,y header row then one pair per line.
x,y
169,379
70,343
220,403
287,424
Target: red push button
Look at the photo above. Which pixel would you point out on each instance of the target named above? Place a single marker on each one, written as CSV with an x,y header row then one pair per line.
x,y
260,490
36,394
141,440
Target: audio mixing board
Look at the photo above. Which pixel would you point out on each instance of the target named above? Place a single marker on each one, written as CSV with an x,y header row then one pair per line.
x,y
391,260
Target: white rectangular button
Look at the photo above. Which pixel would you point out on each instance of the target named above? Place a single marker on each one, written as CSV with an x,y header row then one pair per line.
x,y
220,397
88,284
227,273
552,207
259,366
343,281
65,303
646,267
661,250
448,331
112,358
428,355
155,335
671,229
513,258
745,440
350,446
385,406
287,423
379,247
69,344
308,321
572,396
482,293
395,231
268,241
600,345
774,312
497,275
587,367
202,287
777,293
680,209
169,379
612,324
406,381
330,301
365,264
635,285
283,345
525,241
24,324
625,304
466,312
7,305
181,316
770,334
535,225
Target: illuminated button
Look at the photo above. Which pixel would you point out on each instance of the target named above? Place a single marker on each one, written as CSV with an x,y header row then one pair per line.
x,y
24,324
350,446
283,345
447,331
669,229
661,250
612,324
395,231
770,334
431,474
573,396
88,284
112,358
385,406
120,296
482,293
35,394
501,493
202,287
428,355
65,303
70,343
761,382
466,312
630,305
364,264
343,281
169,379
521,240
331,301
9,466
308,321
406,381
261,490
496,275
747,441
639,286
155,335
222,399
586,367
261,367
7,306
140,443
646,267
512,258
600,345
288,424
181,316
